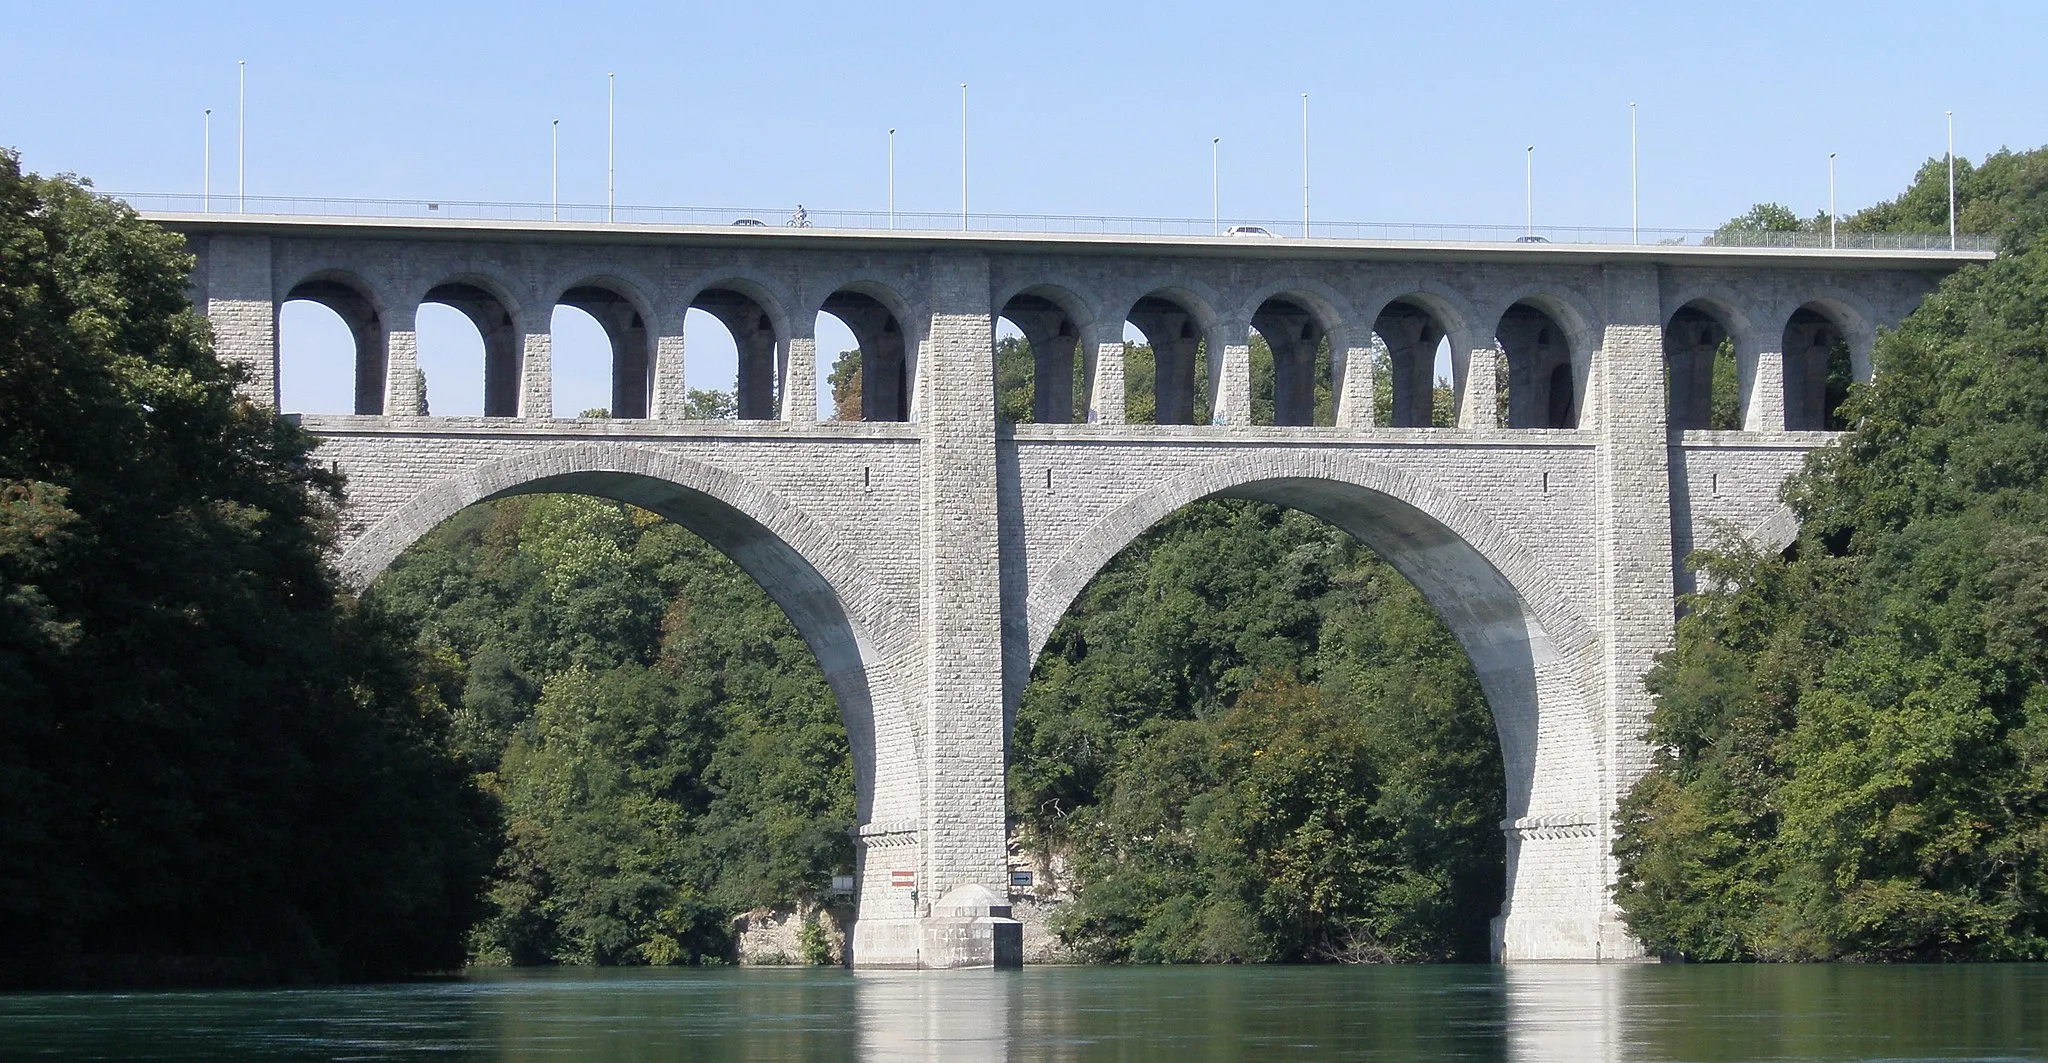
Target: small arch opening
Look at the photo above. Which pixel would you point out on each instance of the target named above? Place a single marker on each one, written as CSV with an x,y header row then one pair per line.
x,y
1168,369
332,354
871,381
451,361
1412,356
1819,370
1291,372
502,356
1542,385
1041,375
1702,385
743,346
601,351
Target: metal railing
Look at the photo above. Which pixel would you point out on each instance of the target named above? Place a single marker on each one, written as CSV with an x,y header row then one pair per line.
x,y
1050,224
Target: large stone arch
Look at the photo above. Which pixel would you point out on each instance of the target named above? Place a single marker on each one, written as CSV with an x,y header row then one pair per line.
x,y
1533,652
1537,660
809,573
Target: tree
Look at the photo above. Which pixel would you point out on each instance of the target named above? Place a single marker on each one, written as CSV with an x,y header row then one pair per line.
x,y
1852,740
1256,742
205,748
665,745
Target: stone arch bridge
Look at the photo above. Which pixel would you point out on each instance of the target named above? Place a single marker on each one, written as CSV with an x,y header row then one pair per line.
x,y
926,551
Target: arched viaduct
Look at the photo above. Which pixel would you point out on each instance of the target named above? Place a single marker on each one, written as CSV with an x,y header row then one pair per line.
x,y
926,551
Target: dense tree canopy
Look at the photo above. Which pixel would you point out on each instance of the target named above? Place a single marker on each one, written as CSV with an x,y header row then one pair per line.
x,y
1256,742
664,743
209,760
1853,737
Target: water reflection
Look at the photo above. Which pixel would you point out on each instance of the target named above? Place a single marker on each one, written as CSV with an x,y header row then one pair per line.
x,y
914,1016
1531,1014
1558,1011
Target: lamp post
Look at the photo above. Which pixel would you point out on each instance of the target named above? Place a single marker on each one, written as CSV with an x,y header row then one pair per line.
x,y
555,168
1951,115
892,177
1529,191
1215,189
1831,199
206,166
611,172
1634,229
1304,165
963,155
241,134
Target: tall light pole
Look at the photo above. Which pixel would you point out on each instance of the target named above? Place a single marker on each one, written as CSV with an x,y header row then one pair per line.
x,y
1529,191
555,167
611,171
963,155
206,166
1304,165
1831,199
1951,179
1215,189
241,133
1634,230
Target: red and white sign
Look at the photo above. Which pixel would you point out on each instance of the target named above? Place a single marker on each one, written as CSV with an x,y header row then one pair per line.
x,y
903,880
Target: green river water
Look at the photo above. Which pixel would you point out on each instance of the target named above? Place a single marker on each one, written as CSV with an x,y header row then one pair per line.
x,y
1570,1013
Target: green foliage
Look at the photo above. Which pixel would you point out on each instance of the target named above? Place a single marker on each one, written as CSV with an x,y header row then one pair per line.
x,y
1724,409
814,947
1258,743
1853,739
845,382
1014,381
205,750
701,404
1771,218
666,748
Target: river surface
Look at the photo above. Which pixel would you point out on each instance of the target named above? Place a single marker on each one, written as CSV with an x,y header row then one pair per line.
x,y
1575,1013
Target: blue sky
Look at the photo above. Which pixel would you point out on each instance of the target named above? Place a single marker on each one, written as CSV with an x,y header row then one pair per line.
x,y
1419,113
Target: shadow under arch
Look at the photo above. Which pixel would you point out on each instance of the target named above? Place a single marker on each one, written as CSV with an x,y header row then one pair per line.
x,y
802,568
1530,650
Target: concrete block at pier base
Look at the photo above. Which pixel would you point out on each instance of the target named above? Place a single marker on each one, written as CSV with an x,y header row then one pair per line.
x,y
1522,939
967,928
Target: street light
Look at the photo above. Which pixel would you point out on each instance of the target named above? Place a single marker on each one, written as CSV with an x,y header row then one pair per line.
x,y
1951,179
1634,233
1304,165
555,167
241,131
1529,191
1831,199
611,173
206,166
1215,196
963,155
892,177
